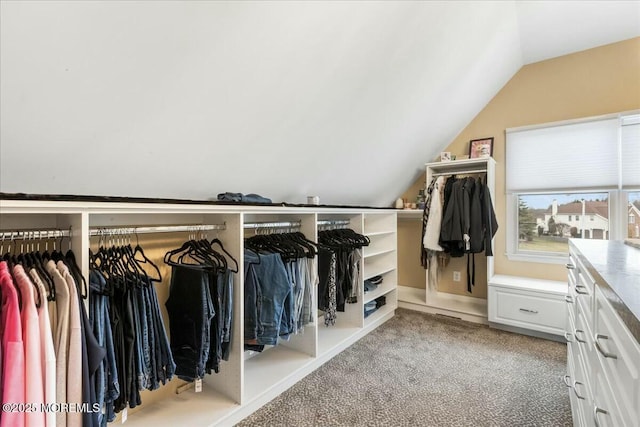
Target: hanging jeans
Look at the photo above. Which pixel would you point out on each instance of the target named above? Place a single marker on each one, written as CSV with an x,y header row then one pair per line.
x,y
107,388
225,289
190,313
311,280
165,366
267,283
221,291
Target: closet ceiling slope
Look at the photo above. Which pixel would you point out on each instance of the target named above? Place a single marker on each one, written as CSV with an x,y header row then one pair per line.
x,y
572,26
284,99
344,100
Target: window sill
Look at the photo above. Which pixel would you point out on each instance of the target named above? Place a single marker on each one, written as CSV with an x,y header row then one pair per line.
x,y
544,259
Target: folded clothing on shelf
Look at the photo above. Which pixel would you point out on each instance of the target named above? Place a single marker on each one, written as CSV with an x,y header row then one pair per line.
x,y
372,283
376,280
372,306
244,198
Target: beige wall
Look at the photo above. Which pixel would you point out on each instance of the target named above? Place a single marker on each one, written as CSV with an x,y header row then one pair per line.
x,y
597,81
410,273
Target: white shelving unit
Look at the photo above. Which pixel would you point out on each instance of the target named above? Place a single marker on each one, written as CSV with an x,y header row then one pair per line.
x,y
247,380
380,258
430,299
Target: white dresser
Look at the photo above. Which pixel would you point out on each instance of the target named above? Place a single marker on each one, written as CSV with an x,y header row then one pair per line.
x,y
603,333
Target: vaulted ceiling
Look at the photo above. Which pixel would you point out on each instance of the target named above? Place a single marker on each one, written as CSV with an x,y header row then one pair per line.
x,y
344,100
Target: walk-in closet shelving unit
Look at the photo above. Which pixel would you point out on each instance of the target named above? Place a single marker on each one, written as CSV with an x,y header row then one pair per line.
x,y
381,259
248,380
272,369
431,299
350,321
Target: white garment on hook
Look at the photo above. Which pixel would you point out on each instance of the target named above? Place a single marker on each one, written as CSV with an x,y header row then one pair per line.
x,y
60,339
47,351
74,353
434,221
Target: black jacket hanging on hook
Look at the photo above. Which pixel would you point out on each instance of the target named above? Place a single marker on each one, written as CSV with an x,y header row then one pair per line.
x,y
468,221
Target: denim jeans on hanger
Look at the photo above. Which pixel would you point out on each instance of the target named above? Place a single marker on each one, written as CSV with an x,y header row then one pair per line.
x,y
225,286
215,329
288,309
107,387
144,375
252,295
165,363
275,288
309,290
221,289
300,280
138,346
112,391
151,356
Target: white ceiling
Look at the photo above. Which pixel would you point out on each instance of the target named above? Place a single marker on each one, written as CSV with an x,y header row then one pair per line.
x,y
344,100
553,28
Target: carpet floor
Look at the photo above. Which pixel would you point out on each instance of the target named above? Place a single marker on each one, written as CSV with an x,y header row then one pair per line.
x,y
425,370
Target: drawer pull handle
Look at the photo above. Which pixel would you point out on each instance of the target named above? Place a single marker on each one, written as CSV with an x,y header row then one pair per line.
x,y
566,380
567,335
568,299
528,311
575,390
575,334
570,266
601,350
597,411
579,289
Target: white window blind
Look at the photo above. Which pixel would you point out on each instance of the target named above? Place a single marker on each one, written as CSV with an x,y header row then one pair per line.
x,y
630,152
575,156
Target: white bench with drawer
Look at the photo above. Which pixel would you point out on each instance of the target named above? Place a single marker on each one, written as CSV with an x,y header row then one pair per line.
x,y
530,306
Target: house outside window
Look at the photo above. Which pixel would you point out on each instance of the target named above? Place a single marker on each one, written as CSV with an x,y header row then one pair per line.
x,y
546,222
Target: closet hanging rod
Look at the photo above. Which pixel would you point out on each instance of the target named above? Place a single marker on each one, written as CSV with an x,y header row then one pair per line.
x,y
462,172
37,234
98,231
333,224
329,222
283,224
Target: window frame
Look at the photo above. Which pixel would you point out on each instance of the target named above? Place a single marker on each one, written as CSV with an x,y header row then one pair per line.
x,y
618,198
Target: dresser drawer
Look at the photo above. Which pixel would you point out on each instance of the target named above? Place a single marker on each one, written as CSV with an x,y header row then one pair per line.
x,y
578,412
619,357
604,411
572,296
530,310
580,283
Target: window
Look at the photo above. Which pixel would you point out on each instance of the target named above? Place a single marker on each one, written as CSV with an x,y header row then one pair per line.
x,y
577,179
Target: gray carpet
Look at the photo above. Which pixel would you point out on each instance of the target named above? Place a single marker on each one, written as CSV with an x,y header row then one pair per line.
x,y
423,370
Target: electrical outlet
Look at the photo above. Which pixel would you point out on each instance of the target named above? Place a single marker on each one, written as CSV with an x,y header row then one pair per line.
x,y
456,276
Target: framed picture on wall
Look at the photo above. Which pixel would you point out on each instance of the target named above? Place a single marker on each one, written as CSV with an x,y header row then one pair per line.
x,y
479,148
